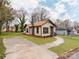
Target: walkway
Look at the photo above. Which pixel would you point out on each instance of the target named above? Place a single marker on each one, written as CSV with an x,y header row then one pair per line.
x,y
54,44
17,48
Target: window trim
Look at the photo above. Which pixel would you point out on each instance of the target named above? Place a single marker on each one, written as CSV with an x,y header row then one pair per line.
x,y
45,30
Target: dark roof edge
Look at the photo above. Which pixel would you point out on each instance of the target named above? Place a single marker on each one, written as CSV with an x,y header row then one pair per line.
x,y
52,23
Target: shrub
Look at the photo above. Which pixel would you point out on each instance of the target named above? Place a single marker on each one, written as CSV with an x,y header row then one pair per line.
x,y
2,49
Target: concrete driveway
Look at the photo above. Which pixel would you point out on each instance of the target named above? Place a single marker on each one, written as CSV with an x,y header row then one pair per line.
x,y
17,48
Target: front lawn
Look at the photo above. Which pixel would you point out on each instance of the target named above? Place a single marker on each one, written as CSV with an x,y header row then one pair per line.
x,y
70,43
37,40
9,34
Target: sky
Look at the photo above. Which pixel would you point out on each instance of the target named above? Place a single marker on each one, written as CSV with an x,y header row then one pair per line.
x,y
59,9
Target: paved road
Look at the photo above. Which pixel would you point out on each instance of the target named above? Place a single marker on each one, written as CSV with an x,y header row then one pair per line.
x,y
75,56
17,48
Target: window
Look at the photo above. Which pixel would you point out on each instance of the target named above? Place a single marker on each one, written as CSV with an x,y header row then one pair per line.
x,y
45,30
27,30
37,29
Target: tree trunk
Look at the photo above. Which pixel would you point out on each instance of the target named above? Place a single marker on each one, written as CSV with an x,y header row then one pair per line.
x,y
7,27
16,28
1,1
1,26
33,30
22,28
32,25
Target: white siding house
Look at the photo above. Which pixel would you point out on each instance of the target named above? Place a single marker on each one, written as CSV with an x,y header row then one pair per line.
x,y
42,28
73,32
48,26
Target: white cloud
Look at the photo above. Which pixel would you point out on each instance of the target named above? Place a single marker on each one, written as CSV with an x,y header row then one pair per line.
x,y
29,5
66,1
54,15
43,0
60,8
66,16
70,2
26,4
47,8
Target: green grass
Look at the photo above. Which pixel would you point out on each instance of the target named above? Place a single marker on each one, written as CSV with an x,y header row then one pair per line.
x,y
2,49
9,34
71,42
37,40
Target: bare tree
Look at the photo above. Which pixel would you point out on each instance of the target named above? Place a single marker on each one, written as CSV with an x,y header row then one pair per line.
x,y
32,26
67,23
21,15
1,1
44,14
9,19
5,12
37,15
41,13
76,25
63,23
58,22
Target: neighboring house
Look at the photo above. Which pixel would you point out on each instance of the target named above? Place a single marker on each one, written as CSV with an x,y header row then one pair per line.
x,y
74,31
42,28
11,28
61,31
64,31
77,29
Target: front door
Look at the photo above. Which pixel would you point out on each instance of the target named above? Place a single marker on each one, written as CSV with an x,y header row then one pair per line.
x,y
51,31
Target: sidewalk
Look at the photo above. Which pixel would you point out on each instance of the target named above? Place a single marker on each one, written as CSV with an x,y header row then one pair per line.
x,y
58,42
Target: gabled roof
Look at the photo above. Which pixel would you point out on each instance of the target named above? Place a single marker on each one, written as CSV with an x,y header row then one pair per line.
x,y
52,23
42,22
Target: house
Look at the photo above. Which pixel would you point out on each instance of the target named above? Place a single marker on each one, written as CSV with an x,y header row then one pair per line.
x,y
73,32
61,31
77,29
10,28
64,31
42,28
